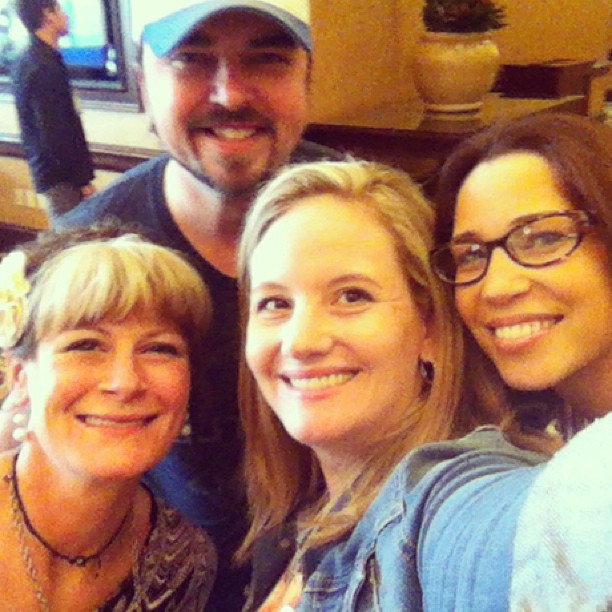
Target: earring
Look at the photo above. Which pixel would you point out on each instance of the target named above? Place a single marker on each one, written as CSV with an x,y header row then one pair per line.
x,y
186,429
427,370
21,427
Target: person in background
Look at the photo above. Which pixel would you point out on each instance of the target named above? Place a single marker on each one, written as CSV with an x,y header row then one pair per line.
x,y
225,85
52,135
352,359
100,331
525,233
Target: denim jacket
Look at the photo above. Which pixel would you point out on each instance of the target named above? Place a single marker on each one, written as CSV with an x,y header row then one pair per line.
x,y
430,540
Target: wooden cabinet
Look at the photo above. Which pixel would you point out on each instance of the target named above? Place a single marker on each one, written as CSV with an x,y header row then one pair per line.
x,y
21,215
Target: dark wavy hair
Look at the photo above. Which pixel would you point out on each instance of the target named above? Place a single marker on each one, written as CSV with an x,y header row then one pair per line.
x,y
579,151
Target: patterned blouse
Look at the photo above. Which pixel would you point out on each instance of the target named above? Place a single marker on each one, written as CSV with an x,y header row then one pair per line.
x,y
175,571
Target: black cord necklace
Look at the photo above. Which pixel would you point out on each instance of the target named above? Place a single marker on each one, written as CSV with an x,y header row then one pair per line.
x,y
79,560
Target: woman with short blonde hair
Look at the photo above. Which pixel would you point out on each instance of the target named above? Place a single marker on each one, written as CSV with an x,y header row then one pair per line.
x,y
101,331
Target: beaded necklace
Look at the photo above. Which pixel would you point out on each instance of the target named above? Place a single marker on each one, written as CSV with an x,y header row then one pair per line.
x,y
23,525
78,560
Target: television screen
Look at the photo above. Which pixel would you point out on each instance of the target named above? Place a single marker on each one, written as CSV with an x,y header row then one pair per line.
x,y
93,50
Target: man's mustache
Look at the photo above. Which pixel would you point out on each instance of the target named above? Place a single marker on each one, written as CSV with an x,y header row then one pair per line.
x,y
223,117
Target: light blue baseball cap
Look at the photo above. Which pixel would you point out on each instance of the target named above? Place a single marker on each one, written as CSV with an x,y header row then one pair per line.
x,y
165,24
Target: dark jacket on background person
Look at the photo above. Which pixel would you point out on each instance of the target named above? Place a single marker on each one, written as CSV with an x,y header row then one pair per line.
x,y
51,131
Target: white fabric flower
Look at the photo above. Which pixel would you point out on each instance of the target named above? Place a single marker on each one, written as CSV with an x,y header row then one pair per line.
x,y
14,288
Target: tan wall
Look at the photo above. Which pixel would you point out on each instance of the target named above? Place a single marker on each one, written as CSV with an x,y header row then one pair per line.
x,y
363,48
361,54
542,30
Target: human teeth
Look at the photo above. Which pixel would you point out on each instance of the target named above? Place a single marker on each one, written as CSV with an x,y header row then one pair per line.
x,y
96,421
231,133
320,382
523,330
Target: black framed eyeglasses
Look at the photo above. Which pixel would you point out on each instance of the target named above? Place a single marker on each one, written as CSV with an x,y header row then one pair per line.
x,y
541,241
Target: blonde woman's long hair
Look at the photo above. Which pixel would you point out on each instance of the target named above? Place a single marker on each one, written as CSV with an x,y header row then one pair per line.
x,y
283,476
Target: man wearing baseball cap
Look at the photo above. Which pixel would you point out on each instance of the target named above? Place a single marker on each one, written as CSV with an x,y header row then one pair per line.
x,y
166,25
225,85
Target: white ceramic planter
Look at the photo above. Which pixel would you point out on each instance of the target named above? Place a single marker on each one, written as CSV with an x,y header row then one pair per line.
x,y
453,72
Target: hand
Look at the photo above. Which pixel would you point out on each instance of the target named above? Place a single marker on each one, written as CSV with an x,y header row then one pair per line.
x,y
14,415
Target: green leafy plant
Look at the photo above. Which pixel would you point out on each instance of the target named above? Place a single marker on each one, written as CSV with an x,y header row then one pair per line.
x,y
463,16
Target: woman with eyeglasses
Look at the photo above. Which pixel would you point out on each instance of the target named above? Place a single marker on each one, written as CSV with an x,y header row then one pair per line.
x,y
525,233
525,228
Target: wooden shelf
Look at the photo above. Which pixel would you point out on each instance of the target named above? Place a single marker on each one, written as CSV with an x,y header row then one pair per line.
x,y
16,216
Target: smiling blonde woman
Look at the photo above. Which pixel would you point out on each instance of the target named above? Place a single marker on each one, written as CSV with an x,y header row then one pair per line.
x,y
100,330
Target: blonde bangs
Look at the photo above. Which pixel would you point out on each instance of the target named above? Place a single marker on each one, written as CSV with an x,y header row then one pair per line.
x,y
111,279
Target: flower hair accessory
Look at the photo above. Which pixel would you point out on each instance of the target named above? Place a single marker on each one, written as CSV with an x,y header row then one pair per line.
x,y
14,288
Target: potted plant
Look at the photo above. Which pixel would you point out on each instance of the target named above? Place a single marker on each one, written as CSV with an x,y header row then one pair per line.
x,y
463,16
457,62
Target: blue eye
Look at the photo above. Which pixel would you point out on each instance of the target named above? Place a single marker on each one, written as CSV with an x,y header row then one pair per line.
x,y
543,240
82,345
187,62
271,304
270,58
354,295
165,348
468,255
